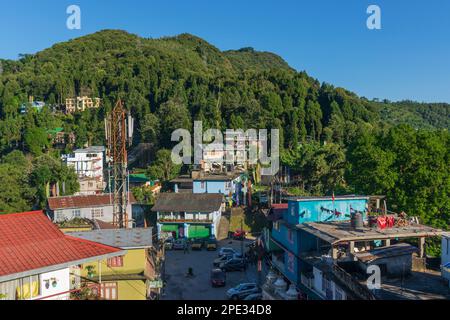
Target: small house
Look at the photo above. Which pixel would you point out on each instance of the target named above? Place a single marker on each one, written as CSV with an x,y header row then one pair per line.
x,y
189,215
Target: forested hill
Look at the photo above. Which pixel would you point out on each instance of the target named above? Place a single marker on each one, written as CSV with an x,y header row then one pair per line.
x,y
333,140
187,72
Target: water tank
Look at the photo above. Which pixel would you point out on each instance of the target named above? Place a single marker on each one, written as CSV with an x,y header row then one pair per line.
x,y
356,220
280,285
271,277
292,293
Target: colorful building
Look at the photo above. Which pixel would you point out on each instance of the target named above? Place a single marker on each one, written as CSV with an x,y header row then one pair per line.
x,y
194,215
290,245
37,259
125,277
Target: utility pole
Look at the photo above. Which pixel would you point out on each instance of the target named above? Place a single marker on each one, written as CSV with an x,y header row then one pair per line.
x,y
243,236
119,132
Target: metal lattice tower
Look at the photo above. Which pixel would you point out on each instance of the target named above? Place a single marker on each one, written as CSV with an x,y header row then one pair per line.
x,y
119,131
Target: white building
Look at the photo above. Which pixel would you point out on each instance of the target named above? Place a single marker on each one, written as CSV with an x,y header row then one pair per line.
x,y
88,165
99,207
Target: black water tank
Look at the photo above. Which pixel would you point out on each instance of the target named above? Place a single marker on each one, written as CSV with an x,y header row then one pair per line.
x,y
356,220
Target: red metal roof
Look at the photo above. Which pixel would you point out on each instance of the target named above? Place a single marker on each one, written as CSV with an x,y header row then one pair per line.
x,y
280,205
30,241
97,200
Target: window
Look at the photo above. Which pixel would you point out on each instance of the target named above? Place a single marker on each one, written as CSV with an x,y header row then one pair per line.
x,y
290,236
59,215
276,225
109,291
76,213
326,285
115,262
97,213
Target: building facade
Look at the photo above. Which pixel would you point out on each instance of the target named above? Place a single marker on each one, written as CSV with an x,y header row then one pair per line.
x,y
125,277
36,258
88,164
185,215
93,207
291,245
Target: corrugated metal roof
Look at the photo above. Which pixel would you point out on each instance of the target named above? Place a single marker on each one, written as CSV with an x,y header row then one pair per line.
x,y
394,250
82,201
188,202
29,241
121,238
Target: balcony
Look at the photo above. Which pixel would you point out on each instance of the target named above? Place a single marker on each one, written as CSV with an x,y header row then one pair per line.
x,y
183,220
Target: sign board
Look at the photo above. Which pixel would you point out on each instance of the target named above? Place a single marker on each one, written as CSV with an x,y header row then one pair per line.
x,y
156,284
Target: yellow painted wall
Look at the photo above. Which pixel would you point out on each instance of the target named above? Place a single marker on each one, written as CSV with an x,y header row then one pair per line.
x,y
133,263
131,290
75,229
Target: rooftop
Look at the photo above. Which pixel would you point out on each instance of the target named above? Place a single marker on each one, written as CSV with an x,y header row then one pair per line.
x,y
30,244
394,250
188,202
417,286
91,149
121,238
340,231
83,201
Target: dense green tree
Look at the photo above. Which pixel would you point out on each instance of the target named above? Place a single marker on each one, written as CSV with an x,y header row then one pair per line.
x,y
163,168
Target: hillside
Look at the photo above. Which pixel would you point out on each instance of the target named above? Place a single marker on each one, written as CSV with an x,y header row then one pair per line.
x,y
333,140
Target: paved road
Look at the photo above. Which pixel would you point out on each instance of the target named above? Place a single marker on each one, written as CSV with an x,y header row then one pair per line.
x,y
180,287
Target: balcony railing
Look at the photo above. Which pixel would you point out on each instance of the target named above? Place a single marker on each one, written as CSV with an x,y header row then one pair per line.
x,y
182,220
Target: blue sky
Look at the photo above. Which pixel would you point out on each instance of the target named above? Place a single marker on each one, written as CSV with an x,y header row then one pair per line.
x,y
409,58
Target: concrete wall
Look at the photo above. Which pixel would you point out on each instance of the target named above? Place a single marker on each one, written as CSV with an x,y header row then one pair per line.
x,y
62,278
395,266
311,210
223,187
69,214
317,286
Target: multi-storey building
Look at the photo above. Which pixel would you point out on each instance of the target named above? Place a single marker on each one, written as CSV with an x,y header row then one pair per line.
x,y
88,165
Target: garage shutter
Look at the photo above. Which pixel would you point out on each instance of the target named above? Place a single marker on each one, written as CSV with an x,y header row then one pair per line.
x,y
199,231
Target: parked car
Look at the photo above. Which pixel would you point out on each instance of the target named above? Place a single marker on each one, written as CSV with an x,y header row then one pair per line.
x,y
233,264
228,251
197,244
239,235
179,244
223,259
253,297
242,291
168,244
218,278
211,244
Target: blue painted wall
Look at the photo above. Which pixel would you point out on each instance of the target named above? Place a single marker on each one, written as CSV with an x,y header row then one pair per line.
x,y
308,211
282,236
210,187
311,211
